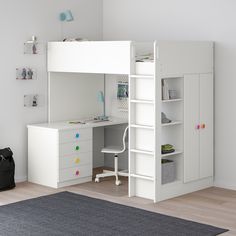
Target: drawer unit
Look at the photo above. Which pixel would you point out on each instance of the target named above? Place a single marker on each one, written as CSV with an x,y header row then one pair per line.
x,y
75,160
75,147
67,136
75,173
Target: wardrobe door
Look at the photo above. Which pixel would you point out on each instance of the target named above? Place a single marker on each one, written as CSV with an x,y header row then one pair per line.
x,y
206,121
191,128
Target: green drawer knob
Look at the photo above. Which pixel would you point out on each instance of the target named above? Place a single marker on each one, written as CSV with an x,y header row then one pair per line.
x,y
77,148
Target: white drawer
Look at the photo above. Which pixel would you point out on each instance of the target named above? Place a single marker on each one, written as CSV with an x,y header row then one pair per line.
x,y
66,136
75,173
75,160
75,148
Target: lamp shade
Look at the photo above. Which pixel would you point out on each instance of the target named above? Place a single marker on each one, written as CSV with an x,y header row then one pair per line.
x,y
100,97
66,16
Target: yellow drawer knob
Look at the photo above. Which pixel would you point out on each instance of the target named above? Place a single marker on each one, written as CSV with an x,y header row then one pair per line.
x,y
77,160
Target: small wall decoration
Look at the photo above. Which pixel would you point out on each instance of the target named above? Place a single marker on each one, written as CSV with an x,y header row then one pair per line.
x,y
25,73
122,90
31,100
32,46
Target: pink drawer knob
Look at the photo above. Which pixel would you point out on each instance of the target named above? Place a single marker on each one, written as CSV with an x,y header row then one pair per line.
x,y
198,127
77,173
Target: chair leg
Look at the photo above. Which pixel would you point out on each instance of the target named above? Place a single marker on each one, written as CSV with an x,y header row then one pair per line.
x,y
118,182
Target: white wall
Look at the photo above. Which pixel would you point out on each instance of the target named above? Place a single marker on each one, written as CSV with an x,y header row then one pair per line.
x,y
19,20
189,20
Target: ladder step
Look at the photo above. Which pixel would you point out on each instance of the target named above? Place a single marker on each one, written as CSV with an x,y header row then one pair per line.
x,y
142,151
142,101
142,76
142,177
141,126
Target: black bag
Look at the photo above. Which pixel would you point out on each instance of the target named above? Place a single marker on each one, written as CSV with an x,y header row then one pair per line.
x,y
7,169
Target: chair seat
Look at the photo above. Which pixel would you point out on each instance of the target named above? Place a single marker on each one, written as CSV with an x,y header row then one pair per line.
x,y
112,149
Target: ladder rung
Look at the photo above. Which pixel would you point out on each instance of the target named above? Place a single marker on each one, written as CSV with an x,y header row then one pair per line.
x,y
142,177
142,101
142,126
142,151
142,76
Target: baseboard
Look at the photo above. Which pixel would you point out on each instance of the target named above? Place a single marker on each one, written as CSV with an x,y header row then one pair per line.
x,y
21,179
225,185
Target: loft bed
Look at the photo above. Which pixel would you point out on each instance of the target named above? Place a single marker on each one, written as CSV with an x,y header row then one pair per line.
x,y
187,68
118,57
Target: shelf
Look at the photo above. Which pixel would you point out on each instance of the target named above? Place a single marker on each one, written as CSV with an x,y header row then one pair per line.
x,y
177,182
142,126
142,76
172,100
172,154
172,76
172,123
142,151
142,101
142,177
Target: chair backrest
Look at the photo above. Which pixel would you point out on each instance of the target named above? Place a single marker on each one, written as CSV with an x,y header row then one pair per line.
x,y
124,137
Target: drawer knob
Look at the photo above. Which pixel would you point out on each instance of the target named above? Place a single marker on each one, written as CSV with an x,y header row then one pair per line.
x,y
77,148
77,135
77,173
77,161
203,126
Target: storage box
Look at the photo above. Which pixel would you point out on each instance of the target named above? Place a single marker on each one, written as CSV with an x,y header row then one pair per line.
x,y
168,172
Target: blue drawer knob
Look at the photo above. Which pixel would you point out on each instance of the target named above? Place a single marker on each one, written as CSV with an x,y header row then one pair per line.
x,y
77,135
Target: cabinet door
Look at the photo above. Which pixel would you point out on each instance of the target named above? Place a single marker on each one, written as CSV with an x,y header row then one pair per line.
x,y
206,121
191,129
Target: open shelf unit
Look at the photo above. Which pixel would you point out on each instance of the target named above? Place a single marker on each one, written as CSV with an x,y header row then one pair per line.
x,y
172,133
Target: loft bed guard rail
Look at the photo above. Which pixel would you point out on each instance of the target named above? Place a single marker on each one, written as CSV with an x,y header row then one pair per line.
x,y
106,57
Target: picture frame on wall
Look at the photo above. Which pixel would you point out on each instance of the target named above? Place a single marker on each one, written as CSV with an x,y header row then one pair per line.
x,y
26,73
33,48
31,100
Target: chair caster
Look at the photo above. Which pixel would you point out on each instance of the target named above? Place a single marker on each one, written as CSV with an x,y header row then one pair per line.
x,y
118,182
96,180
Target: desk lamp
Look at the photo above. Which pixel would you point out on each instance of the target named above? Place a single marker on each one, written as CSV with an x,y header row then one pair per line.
x,y
101,99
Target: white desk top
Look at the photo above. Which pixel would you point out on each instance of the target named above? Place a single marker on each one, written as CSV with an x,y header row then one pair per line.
x,y
89,124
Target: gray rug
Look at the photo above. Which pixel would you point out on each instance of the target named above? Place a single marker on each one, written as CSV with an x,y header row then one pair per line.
x,y
72,214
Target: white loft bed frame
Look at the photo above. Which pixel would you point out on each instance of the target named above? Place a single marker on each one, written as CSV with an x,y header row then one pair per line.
x,y
172,60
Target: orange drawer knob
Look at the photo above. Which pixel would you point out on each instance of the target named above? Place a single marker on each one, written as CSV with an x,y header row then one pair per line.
x,y
203,126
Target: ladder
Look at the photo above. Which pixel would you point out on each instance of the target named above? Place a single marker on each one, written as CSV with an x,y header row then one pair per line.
x,y
144,147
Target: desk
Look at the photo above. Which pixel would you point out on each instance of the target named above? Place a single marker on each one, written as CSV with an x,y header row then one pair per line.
x,y
60,154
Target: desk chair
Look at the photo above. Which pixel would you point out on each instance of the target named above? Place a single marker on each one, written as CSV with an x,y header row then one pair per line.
x,y
114,150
